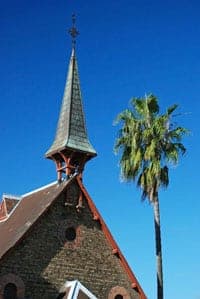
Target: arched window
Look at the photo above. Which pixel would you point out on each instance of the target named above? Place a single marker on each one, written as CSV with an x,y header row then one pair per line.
x,y
119,292
11,287
10,291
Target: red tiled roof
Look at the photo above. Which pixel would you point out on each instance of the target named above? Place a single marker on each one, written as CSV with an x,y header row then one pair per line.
x,y
29,209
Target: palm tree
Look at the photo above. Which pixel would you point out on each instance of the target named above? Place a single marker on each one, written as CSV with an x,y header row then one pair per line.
x,y
148,142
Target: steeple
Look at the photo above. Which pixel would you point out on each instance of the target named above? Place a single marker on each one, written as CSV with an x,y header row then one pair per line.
x,y
71,148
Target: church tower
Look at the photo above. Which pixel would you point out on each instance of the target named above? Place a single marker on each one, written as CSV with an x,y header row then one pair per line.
x,y
54,242
71,148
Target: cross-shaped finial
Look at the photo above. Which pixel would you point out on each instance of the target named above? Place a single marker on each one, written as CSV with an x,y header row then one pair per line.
x,y
73,31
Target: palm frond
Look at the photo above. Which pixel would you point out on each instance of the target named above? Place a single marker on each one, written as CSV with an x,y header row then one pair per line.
x,y
152,103
171,109
147,142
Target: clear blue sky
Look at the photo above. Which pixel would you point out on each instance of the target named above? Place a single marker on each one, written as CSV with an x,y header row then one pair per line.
x,y
126,48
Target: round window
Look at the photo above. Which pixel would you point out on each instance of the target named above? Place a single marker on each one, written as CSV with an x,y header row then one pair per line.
x,y
70,234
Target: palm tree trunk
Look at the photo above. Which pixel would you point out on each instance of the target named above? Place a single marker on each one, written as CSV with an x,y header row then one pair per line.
x,y
158,248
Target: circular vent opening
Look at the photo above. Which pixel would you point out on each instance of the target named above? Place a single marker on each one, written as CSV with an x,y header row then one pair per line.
x,y
70,234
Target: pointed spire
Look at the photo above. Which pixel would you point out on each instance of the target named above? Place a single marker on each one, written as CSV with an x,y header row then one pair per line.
x,y
71,129
71,138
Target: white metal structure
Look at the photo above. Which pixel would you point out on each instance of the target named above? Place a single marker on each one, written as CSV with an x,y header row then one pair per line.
x,y
75,290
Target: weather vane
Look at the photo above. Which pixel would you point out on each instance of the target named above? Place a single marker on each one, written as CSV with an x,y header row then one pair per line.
x,y
73,31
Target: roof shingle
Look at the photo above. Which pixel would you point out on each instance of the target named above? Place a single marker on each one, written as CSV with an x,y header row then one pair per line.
x,y
71,129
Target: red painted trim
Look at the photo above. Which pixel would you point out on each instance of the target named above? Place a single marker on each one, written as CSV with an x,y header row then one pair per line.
x,y
96,215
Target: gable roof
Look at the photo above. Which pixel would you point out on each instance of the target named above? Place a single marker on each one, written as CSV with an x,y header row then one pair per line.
x,y
34,204
7,205
31,206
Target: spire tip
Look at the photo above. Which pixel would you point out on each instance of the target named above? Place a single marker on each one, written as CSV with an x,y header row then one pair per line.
x,y
73,31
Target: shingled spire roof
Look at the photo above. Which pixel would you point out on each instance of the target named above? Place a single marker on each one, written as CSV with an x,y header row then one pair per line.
x,y
71,130
71,148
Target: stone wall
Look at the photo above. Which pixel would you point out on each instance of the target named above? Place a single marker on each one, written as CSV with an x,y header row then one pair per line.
x,y
45,259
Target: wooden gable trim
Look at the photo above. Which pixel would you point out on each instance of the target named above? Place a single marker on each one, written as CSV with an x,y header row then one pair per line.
x,y
3,211
97,216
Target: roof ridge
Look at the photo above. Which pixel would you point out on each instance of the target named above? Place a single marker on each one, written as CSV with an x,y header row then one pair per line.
x,y
39,189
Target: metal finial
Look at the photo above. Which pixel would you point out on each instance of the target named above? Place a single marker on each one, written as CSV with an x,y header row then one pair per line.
x,y
73,31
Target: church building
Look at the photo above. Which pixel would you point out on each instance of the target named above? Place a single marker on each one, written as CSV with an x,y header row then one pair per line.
x,y
54,242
